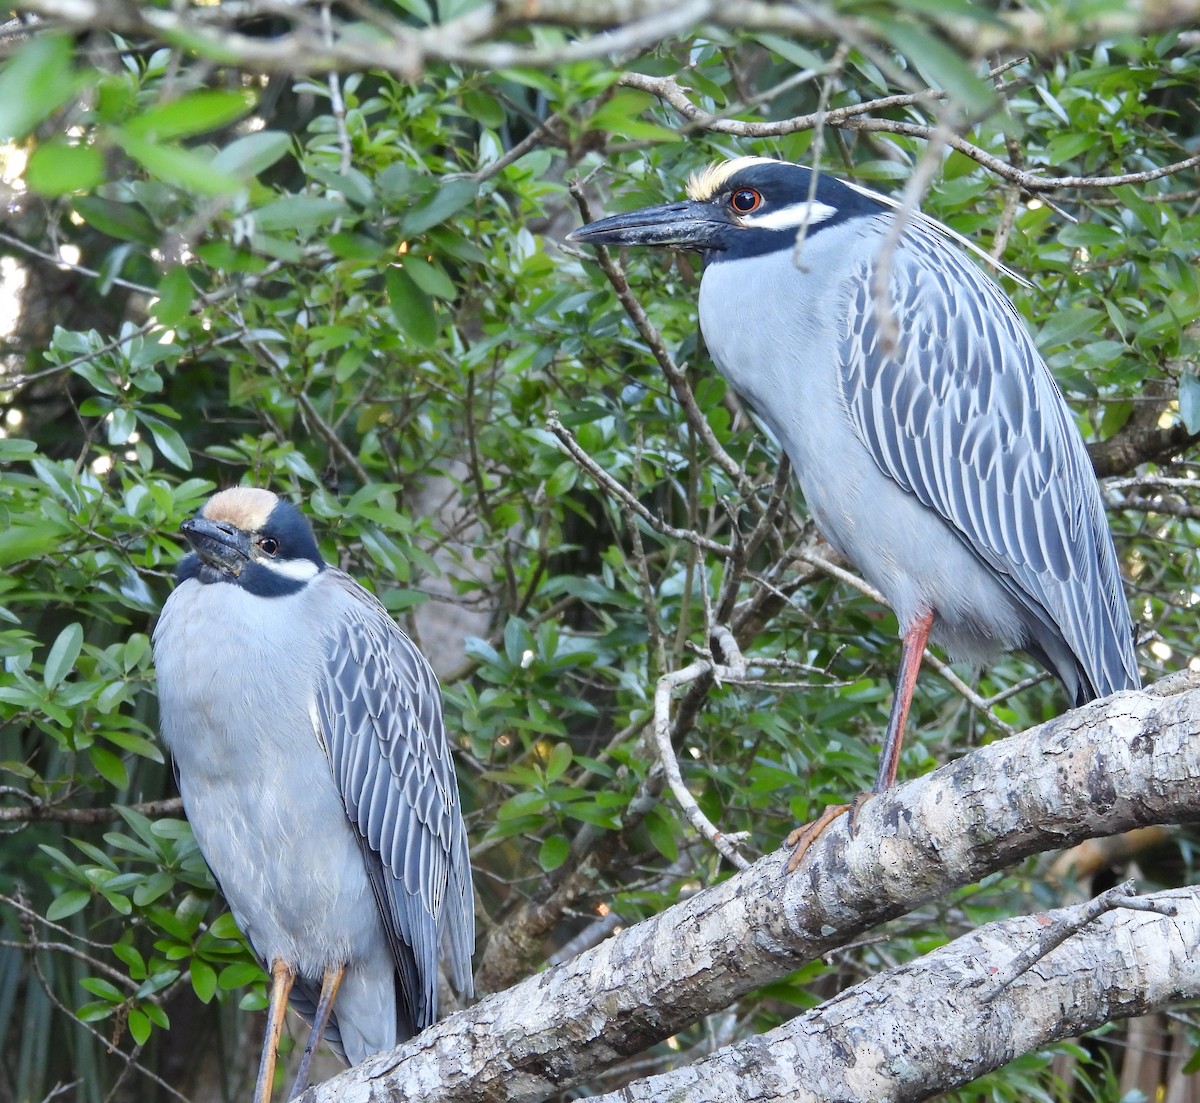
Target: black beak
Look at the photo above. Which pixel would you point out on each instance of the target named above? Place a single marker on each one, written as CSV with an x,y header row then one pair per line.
x,y
219,544
692,225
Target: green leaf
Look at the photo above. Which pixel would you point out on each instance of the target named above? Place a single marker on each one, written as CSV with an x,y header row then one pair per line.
x,y
21,543
941,65
484,109
204,980
35,82
152,888
170,443
68,903
63,653
1066,325
521,804
559,760
239,974
430,278
94,1011
187,169
119,220
57,168
351,246
418,9
553,852
193,113
224,927
133,960
792,52
411,307
247,157
13,448
109,766
139,1026
661,830
448,200
621,116
175,293
302,213
106,990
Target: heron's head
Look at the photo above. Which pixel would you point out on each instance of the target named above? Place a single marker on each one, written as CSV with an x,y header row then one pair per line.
x,y
253,539
739,208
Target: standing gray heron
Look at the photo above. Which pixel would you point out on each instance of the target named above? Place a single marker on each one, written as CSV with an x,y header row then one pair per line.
x,y
940,460
306,731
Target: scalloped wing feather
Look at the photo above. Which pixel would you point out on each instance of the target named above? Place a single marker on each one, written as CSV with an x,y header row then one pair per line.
x,y
964,414
380,713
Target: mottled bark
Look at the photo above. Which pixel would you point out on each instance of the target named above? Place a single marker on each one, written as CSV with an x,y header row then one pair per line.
x,y
917,1031
1129,761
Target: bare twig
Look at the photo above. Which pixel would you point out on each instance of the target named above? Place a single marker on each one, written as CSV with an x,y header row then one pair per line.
x,y
337,105
627,500
35,811
1060,926
850,117
670,764
625,25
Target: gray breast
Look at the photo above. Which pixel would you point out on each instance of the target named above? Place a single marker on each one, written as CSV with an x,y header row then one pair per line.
x,y
237,697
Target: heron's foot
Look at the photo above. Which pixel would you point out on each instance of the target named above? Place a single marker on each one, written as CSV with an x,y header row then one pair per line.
x,y
806,834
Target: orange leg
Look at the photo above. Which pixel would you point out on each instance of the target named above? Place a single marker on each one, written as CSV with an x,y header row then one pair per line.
x,y
282,979
329,989
911,649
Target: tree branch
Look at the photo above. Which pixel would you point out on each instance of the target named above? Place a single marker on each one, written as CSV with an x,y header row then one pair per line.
x,y
36,811
1126,761
929,1026
381,42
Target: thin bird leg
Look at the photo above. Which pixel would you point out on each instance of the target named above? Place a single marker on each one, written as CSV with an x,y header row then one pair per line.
x,y
282,979
329,989
912,648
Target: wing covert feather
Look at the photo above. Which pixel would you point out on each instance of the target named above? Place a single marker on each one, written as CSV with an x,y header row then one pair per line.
x,y
380,713
964,415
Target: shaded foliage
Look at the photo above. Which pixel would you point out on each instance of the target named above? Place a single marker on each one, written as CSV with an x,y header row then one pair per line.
x,y
351,290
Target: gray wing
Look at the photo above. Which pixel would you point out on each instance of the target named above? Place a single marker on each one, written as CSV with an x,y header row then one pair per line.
x,y
381,715
965,415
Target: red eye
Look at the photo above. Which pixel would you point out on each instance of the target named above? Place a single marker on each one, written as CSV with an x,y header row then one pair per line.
x,y
745,200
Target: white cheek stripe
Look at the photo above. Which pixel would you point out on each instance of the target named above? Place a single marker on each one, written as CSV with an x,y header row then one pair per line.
x,y
791,217
298,570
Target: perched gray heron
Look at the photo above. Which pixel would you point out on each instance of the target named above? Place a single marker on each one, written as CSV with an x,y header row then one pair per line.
x,y
306,731
941,459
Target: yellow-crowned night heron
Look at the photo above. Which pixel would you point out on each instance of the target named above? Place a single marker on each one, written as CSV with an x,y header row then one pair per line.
x,y
306,731
944,464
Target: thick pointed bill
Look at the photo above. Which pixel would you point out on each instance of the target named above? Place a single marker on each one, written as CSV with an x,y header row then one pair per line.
x,y
687,225
219,545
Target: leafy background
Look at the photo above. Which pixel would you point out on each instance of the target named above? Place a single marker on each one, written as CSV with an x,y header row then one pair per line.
x,y
354,290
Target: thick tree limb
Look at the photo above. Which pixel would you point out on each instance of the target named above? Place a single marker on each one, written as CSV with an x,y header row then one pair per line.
x,y
384,43
927,1027
1130,760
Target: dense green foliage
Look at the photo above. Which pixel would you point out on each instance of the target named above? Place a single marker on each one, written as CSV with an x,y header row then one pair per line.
x,y
344,290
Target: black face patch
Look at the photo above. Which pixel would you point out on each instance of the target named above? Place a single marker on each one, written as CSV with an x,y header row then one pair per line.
x,y
292,533
781,186
278,559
